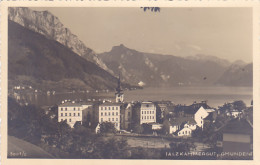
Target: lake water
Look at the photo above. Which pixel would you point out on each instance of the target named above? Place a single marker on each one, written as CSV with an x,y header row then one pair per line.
x,y
215,96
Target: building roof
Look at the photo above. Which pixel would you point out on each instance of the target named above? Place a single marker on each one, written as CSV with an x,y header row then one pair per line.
x,y
111,104
70,104
147,104
210,117
186,109
181,120
238,126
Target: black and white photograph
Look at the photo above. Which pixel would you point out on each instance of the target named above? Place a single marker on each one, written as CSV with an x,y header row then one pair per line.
x,y
164,83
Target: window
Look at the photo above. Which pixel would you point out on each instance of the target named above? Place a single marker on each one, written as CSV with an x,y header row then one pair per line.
x,y
108,108
70,114
101,108
116,108
116,124
101,113
61,120
153,117
113,113
101,119
74,109
61,109
116,119
144,112
65,114
61,114
142,117
74,114
105,113
70,120
150,117
112,119
112,108
65,109
78,108
145,117
105,108
78,114
108,119
117,113
108,113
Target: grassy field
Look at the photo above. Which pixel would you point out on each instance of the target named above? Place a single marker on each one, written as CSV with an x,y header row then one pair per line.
x,y
18,148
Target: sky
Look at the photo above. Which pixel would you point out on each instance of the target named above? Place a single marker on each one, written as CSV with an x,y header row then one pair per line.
x,y
222,32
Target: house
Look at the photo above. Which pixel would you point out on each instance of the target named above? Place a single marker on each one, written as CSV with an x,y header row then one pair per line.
x,y
177,124
110,112
71,112
184,132
237,136
155,126
163,107
147,112
195,112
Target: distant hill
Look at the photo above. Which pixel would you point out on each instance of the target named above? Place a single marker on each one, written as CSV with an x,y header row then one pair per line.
x,y
47,24
44,63
18,148
237,75
165,70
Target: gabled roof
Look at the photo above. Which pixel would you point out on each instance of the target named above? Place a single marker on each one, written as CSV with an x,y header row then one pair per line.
x,y
210,116
238,126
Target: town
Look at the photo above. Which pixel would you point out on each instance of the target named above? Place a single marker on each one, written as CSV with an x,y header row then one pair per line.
x,y
165,119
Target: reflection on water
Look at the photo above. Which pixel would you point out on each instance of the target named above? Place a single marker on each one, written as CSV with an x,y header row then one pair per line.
x,y
180,95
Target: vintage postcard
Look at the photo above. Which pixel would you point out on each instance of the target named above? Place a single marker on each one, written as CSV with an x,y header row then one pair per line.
x,y
86,81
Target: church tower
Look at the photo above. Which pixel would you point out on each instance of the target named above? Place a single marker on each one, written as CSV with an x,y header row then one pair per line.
x,y
119,92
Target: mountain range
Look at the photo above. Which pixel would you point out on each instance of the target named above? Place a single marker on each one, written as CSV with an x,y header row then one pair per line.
x,y
44,53
43,63
168,70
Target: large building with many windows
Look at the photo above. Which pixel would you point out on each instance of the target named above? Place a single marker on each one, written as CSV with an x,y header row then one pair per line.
x,y
147,113
72,112
110,112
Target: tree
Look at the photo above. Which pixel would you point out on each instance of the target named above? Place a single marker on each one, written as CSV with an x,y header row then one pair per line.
x,y
107,127
239,105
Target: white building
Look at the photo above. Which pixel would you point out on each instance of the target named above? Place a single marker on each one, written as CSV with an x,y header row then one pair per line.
x,y
71,112
185,132
148,113
199,116
110,112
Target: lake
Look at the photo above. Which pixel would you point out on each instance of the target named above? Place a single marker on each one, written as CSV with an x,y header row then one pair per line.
x,y
215,96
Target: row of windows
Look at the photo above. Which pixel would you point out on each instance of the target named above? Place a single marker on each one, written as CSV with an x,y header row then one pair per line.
x,y
109,108
67,109
65,114
148,112
147,117
185,133
112,119
108,114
